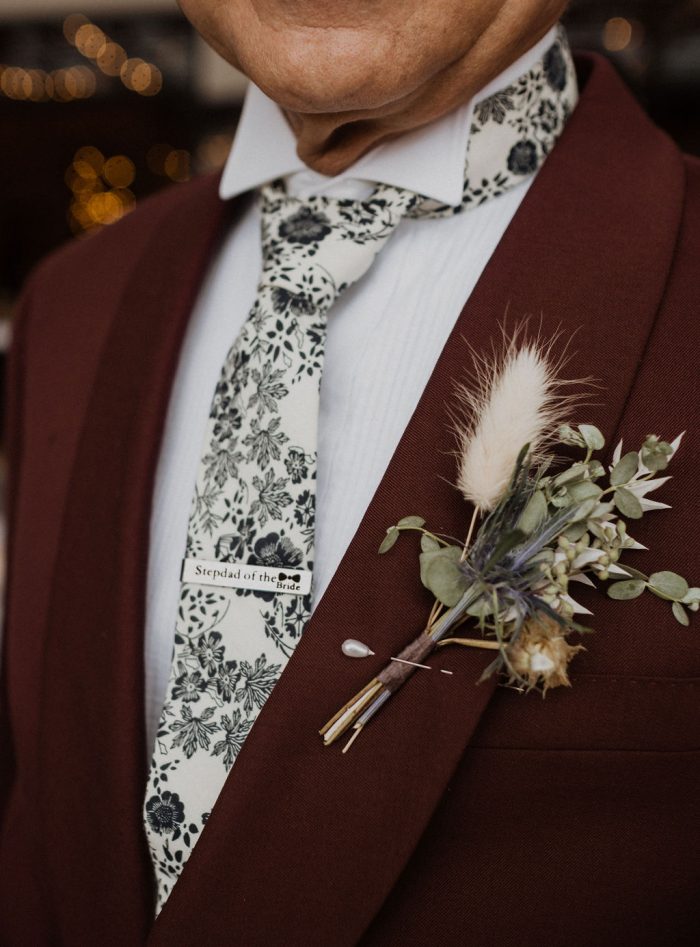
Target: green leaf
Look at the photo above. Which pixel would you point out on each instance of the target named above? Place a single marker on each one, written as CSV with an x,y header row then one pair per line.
x,y
628,504
409,522
575,472
680,614
481,608
533,514
440,572
633,573
669,584
656,454
392,534
567,435
575,531
584,491
595,469
655,461
428,544
592,437
584,510
628,588
625,469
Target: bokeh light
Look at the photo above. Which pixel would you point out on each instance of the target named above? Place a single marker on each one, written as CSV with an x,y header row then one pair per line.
x,y
100,193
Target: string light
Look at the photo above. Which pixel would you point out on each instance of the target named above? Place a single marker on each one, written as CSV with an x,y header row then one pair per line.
x,y
80,82
620,34
169,162
111,59
177,165
99,188
35,85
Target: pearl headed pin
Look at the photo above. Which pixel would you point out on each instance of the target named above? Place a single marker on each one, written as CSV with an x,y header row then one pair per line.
x,y
352,648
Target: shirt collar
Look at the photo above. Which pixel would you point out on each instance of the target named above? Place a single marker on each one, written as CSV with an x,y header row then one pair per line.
x,y
428,160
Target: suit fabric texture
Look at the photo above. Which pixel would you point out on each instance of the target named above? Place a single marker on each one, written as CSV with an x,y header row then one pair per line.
x,y
466,814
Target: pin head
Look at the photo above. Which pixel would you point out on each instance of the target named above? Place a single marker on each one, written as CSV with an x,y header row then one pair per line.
x,y
352,648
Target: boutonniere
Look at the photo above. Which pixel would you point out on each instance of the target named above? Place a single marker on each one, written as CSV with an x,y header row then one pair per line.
x,y
536,529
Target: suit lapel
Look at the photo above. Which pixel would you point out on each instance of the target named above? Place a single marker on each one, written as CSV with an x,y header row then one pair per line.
x,y
304,843
92,752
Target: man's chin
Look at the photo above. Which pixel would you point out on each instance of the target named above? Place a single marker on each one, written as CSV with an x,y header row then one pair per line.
x,y
309,82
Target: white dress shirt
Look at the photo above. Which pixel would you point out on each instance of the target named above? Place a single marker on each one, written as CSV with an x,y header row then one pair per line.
x,y
384,335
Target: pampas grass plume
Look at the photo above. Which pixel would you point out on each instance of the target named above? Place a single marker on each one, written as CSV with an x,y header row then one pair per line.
x,y
516,400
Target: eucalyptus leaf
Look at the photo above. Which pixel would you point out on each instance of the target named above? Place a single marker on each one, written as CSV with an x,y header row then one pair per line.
x,y
584,510
680,613
574,473
428,544
669,584
595,469
584,491
628,504
392,534
634,573
597,530
567,435
560,498
411,521
629,588
440,573
625,469
575,531
481,608
656,454
592,437
534,513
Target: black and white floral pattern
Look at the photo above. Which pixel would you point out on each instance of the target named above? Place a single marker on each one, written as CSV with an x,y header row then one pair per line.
x,y
254,501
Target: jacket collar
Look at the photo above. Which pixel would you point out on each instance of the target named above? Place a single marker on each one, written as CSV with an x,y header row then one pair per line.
x,y
303,838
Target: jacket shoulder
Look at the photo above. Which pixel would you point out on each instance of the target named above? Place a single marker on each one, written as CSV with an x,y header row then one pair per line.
x,y
100,263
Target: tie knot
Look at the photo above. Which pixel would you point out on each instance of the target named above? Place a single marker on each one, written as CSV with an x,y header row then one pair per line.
x,y
316,248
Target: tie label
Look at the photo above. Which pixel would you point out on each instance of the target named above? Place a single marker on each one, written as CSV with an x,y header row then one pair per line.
x,y
234,575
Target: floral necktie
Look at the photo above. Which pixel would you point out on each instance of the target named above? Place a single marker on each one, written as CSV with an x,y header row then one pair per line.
x,y
246,579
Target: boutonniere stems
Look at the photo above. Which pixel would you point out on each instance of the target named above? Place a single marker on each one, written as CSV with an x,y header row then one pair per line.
x,y
532,533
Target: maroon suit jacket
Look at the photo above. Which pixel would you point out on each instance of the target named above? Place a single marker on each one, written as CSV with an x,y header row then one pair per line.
x,y
465,814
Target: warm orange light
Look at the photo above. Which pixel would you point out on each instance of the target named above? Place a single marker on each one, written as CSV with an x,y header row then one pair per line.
x,y
14,83
110,58
104,208
119,171
177,165
617,34
85,170
89,40
126,198
93,156
127,70
72,24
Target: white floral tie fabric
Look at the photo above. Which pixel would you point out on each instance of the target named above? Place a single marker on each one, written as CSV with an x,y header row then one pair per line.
x,y
253,505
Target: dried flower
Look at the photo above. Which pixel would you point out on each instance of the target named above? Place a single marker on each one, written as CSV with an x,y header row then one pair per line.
x,y
540,656
516,399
